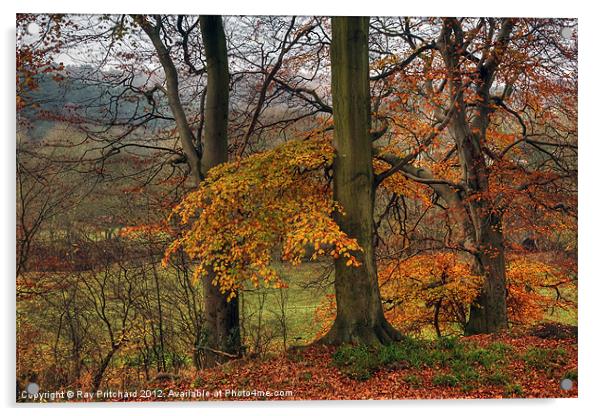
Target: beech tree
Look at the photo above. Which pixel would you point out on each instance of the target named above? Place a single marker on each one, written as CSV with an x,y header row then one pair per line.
x,y
222,316
477,70
360,317
480,221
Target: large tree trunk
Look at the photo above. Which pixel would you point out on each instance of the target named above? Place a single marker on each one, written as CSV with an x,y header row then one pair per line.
x,y
488,313
360,317
222,316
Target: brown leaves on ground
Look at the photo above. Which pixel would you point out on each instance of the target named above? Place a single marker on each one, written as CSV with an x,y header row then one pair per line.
x,y
309,374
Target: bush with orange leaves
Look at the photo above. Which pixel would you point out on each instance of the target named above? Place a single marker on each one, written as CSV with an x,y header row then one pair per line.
x,y
428,291
540,285
433,292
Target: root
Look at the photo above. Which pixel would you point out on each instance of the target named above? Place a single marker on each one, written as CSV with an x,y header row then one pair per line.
x,y
382,333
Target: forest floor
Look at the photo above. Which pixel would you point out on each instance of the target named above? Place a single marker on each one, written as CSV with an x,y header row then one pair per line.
x,y
521,363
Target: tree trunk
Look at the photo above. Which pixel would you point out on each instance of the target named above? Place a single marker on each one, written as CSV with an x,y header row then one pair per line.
x,y
222,320
222,317
161,357
360,317
488,313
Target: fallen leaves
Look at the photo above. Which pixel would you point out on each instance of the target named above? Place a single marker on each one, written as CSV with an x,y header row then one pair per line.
x,y
309,375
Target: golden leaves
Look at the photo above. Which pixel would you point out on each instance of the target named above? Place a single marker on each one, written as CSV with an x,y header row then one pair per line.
x,y
249,210
423,285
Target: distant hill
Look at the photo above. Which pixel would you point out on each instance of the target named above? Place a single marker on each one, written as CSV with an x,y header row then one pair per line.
x,y
79,93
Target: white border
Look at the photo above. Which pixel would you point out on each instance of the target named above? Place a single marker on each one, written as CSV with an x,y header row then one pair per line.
x,y
590,232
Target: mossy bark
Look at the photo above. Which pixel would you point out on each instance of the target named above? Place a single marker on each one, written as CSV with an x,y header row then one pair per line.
x,y
360,318
488,313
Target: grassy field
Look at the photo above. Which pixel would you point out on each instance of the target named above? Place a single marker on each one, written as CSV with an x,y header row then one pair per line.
x,y
265,311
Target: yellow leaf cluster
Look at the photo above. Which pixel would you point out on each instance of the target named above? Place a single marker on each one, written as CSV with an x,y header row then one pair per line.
x,y
250,211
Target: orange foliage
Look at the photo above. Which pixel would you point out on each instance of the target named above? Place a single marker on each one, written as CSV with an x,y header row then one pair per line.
x,y
248,209
536,287
427,290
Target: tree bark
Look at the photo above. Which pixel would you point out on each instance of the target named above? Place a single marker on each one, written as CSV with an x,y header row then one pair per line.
x,y
104,364
173,97
360,318
488,313
222,316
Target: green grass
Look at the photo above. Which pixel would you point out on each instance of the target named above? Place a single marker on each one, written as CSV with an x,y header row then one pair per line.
x,y
413,380
358,362
264,305
497,378
514,390
461,363
541,358
562,316
545,359
445,380
571,375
